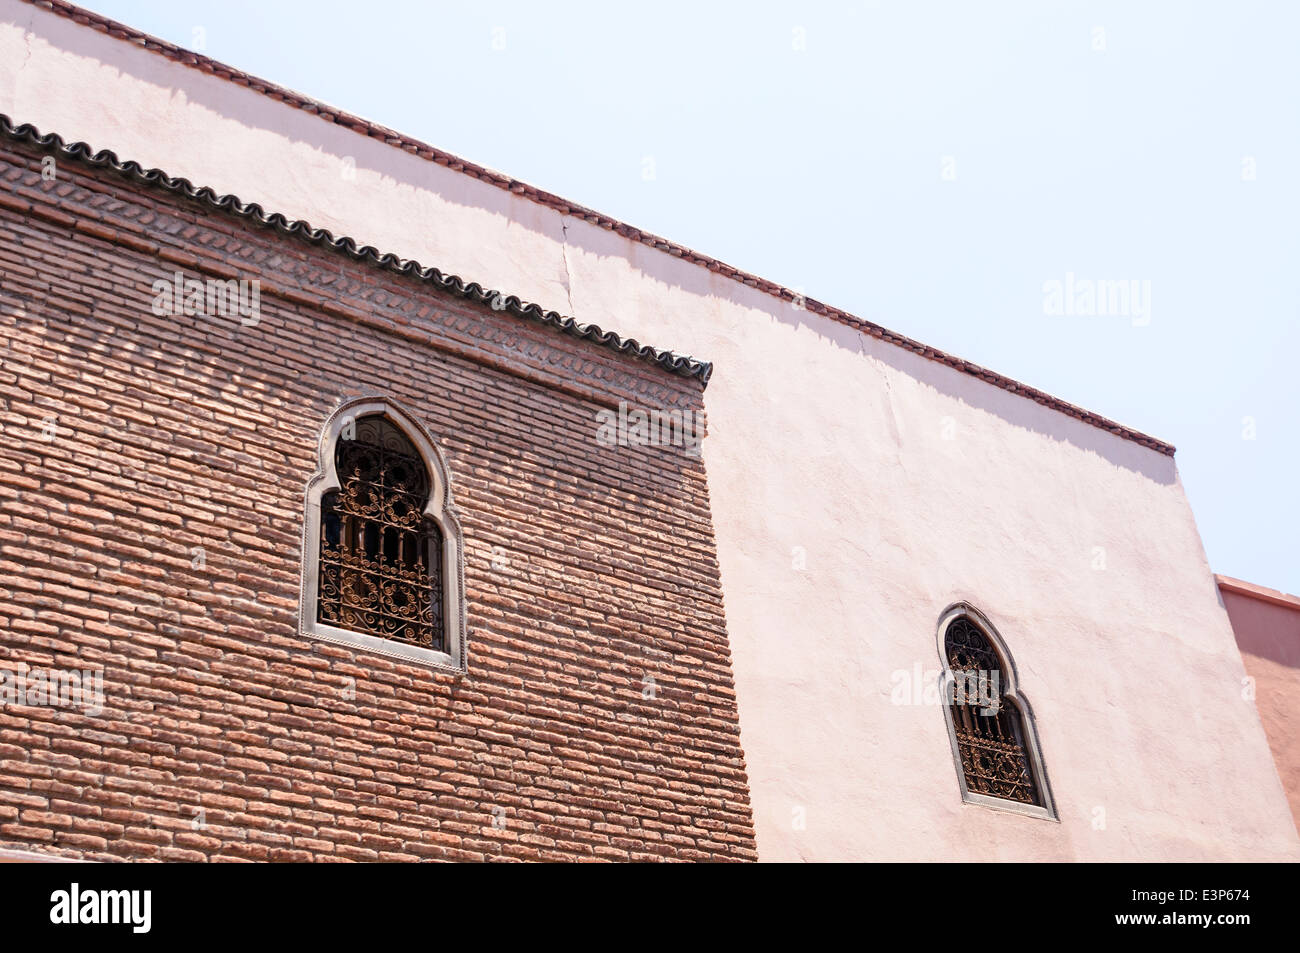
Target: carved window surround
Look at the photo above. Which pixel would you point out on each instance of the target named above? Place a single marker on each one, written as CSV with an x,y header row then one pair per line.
x,y
439,510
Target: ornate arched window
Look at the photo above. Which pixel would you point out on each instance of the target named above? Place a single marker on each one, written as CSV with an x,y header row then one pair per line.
x,y
382,547
997,755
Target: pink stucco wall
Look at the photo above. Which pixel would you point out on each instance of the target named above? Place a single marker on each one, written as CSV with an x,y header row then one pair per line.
x,y
1267,625
857,491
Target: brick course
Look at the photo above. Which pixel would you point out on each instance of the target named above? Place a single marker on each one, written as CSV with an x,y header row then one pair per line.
x,y
134,442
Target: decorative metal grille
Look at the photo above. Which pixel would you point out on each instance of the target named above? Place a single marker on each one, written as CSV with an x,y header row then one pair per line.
x,y
992,746
380,557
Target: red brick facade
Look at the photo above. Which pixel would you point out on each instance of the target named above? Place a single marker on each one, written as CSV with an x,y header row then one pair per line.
x,y
151,507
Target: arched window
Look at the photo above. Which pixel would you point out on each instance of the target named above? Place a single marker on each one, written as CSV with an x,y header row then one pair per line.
x,y
382,547
380,565
997,755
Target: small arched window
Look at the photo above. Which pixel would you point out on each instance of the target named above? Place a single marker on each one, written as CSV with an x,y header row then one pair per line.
x,y
382,548
997,755
380,565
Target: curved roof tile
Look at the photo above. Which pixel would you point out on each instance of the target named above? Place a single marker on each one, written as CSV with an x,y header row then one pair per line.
x,y
498,301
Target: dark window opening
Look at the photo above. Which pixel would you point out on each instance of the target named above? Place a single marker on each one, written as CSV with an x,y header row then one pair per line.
x,y
380,557
990,729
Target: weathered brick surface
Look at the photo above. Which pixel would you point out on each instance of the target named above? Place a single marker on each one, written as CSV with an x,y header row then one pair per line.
x,y
132,441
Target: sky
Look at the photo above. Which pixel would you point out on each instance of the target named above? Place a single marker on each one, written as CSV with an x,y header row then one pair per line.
x,y
953,171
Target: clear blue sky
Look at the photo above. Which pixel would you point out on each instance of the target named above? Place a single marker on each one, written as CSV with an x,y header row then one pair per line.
x,y
1123,154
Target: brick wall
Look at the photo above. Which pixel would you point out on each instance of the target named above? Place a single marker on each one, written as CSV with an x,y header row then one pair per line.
x,y
151,498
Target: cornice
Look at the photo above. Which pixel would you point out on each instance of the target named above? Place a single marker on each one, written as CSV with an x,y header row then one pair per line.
x,y
452,284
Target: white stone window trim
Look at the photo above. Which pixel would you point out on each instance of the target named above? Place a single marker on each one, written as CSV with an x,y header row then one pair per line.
x,y
1012,691
440,509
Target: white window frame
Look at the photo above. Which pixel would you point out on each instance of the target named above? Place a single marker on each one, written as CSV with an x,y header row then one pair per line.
x,y
439,509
